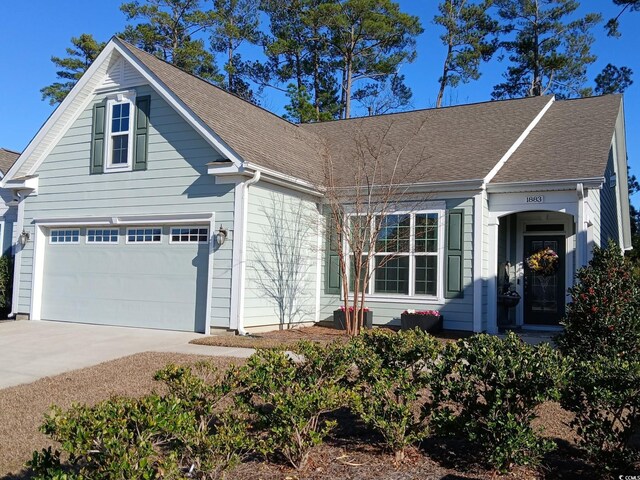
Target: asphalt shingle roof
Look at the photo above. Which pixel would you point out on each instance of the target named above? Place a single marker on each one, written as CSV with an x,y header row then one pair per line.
x,y
571,141
255,134
7,159
439,145
446,144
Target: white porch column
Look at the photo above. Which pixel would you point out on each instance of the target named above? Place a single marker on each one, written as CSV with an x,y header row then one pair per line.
x,y
582,245
492,273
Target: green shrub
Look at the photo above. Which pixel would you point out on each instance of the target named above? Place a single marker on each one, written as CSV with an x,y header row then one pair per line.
x,y
391,393
602,340
490,394
288,398
151,437
604,395
603,317
6,281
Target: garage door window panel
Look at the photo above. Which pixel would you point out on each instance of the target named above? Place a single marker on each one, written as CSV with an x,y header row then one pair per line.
x,y
64,236
98,235
144,235
189,235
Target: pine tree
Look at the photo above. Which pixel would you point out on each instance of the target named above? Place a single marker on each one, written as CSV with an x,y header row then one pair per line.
x,y
613,80
470,38
369,39
298,54
549,53
614,23
81,54
169,29
235,22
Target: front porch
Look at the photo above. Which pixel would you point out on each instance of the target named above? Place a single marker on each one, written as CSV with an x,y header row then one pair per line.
x,y
519,225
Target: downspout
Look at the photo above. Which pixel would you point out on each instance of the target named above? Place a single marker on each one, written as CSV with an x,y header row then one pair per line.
x,y
581,243
243,250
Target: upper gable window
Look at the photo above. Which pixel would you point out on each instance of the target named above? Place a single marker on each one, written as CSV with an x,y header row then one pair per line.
x,y
119,134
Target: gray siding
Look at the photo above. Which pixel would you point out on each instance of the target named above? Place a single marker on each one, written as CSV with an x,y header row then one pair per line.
x,y
457,312
609,227
299,215
176,182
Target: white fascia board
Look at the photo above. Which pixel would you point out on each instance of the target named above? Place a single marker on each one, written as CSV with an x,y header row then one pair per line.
x,y
494,171
286,180
185,112
545,185
29,184
429,187
620,138
66,104
184,218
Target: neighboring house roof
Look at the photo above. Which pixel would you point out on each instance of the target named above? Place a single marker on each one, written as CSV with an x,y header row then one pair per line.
x,y
448,144
255,134
7,159
572,141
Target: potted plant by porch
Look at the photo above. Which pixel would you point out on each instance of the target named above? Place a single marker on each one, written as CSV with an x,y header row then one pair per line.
x,y
427,320
339,318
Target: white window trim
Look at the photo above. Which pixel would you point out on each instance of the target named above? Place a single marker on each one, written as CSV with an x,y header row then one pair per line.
x,y
411,297
144,242
115,99
86,236
72,242
189,242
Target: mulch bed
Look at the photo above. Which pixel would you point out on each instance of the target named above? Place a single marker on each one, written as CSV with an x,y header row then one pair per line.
x,y
22,407
288,338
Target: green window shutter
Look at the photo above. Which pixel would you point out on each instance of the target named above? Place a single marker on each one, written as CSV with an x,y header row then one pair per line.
x,y
332,260
141,133
97,138
454,254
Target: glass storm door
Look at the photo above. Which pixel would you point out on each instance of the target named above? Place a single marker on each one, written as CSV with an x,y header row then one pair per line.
x,y
544,296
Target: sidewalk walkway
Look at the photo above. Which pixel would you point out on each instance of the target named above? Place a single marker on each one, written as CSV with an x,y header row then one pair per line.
x,y
30,350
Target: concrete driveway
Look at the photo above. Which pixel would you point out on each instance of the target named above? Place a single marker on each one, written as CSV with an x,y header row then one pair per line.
x,y
30,350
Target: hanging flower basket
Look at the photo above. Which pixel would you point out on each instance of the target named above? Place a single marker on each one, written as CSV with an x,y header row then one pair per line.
x,y
544,262
427,320
339,318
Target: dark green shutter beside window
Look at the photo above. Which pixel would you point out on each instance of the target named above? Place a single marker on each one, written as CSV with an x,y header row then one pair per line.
x,y
332,260
97,138
141,133
454,259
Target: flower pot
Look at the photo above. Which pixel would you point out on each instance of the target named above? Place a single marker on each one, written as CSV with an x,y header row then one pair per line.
x,y
508,301
339,319
428,323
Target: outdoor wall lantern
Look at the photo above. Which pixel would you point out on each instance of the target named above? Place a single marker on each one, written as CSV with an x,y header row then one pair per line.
x,y
24,237
221,236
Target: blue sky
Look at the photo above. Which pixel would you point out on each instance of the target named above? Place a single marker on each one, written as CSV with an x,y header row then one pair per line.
x,y
34,31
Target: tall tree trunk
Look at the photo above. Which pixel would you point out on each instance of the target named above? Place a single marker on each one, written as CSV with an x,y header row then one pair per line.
x,y
347,104
445,75
230,72
316,77
536,88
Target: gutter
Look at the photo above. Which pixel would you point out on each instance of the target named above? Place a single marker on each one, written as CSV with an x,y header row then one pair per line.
x,y
243,250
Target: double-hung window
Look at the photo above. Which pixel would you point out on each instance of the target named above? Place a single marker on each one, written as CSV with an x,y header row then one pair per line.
x,y
408,256
119,144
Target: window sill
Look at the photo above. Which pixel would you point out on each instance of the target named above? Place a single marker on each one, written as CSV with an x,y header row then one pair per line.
x,y
113,169
373,298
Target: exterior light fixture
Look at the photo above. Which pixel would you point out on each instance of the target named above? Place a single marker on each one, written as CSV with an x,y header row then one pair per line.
x,y
24,237
221,236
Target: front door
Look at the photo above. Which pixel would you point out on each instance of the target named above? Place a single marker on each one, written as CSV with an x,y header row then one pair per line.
x,y
544,295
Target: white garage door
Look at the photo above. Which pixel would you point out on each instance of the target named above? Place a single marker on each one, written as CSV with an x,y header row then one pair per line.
x,y
151,276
